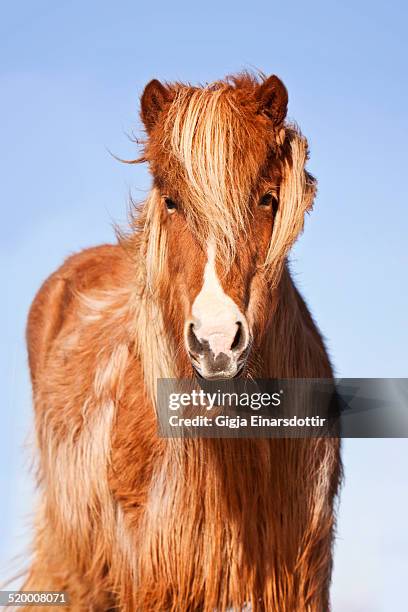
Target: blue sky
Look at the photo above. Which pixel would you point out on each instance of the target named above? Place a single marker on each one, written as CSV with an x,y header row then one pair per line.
x,y
71,74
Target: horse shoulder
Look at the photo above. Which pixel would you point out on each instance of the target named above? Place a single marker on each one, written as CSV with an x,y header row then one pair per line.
x,y
91,269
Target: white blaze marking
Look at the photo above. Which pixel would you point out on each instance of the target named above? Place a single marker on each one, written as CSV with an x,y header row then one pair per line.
x,y
215,314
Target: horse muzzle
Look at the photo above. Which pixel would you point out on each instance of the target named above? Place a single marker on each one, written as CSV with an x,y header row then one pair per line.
x,y
218,352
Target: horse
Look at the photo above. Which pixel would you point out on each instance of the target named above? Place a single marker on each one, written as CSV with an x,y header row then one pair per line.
x,y
198,286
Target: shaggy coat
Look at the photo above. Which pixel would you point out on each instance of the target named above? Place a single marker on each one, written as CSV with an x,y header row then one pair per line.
x,y
130,521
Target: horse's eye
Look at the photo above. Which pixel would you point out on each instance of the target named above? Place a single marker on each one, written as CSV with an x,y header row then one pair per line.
x,y
170,205
268,200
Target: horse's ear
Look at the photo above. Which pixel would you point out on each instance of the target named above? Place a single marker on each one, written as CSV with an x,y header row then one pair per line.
x,y
272,97
154,98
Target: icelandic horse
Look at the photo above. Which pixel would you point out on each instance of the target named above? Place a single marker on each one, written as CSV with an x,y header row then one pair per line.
x,y
200,285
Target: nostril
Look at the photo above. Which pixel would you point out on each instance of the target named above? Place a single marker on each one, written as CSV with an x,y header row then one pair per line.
x,y
194,344
239,340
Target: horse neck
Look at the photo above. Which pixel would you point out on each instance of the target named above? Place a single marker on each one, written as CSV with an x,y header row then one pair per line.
x,y
292,346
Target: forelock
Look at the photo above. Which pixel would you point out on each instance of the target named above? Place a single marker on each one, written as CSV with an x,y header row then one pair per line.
x,y
214,135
